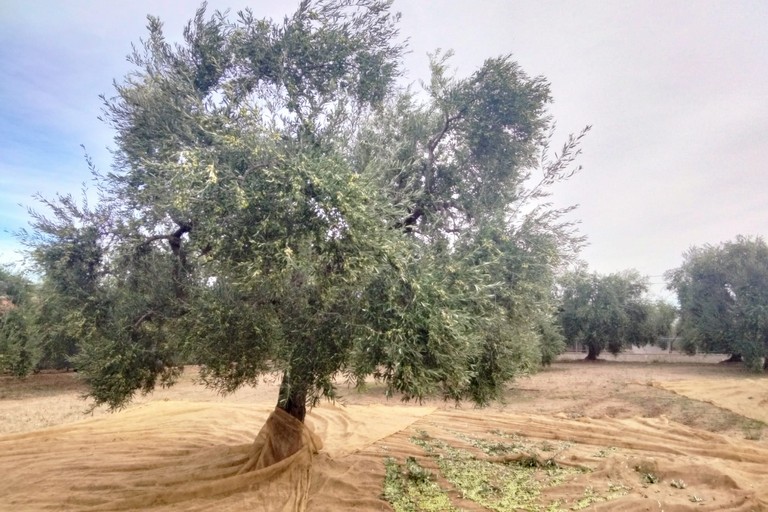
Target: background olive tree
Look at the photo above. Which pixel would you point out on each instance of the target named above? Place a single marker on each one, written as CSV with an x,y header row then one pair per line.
x,y
723,295
277,204
610,312
19,350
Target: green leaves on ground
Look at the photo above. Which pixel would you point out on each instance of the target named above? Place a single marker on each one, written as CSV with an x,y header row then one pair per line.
x,y
500,472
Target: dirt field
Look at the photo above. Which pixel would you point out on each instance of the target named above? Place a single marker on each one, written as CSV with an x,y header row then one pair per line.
x,y
627,434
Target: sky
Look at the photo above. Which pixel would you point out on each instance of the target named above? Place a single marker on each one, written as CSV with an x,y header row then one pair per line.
x,y
676,92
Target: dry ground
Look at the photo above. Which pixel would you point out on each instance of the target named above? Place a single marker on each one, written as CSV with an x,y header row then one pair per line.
x,y
621,419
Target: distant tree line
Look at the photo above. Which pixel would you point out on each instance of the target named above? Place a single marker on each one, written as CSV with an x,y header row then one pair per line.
x,y
33,328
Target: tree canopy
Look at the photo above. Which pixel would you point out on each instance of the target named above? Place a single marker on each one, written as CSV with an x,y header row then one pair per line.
x,y
723,295
278,204
610,312
18,350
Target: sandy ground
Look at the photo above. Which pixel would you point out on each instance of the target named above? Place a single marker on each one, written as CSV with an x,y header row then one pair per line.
x,y
181,448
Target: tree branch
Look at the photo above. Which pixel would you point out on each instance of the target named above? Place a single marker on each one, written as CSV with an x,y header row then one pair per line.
x,y
143,318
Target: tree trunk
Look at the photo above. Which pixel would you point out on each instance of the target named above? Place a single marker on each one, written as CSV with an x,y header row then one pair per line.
x,y
292,397
282,435
592,353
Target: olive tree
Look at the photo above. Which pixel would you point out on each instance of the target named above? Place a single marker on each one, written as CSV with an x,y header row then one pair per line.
x,y
606,311
723,291
19,352
278,205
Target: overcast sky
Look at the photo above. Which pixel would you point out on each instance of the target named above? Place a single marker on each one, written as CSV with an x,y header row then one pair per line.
x,y
676,91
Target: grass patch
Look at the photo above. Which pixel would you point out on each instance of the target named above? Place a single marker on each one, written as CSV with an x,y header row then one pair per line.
x,y
753,429
693,413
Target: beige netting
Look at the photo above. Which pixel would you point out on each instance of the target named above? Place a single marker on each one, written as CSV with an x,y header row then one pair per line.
x,y
748,397
190,456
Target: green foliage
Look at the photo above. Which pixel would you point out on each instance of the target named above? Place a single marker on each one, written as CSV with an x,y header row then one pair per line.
x,y
276,205
609,312
552,342
15,287
19,348
18,352
723,292
661,318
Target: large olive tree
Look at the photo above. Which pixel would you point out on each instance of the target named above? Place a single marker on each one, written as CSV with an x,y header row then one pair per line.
x,y
723,295
278,205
